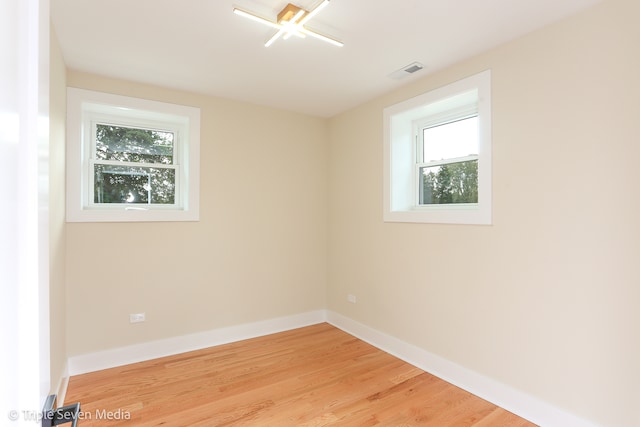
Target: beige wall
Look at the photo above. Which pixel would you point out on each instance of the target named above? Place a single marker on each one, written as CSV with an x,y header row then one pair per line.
x,y
547,298
57,238
258,251
544,300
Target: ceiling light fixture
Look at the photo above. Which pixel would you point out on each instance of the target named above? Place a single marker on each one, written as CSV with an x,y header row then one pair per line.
x,y
290,22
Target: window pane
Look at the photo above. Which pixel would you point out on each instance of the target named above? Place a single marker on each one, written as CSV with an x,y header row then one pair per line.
x,y
123,184
451,140
449,183
134,145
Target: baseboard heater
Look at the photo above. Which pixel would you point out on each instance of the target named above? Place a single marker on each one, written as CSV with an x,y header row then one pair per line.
x,y
52,416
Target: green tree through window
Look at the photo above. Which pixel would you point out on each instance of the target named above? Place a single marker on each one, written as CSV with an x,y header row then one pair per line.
x,y
450,183
134,165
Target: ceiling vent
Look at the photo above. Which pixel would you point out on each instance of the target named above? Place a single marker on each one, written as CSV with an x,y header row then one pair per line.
x,y
406,71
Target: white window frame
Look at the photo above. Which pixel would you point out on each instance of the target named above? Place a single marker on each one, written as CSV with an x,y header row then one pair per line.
x,y
402,123
87,108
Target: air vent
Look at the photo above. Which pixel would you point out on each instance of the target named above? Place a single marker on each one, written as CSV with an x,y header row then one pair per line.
x,y
406,71
413,68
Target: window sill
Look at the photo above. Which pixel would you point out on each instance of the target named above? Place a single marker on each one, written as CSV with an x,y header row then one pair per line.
x,y
132,215
462,214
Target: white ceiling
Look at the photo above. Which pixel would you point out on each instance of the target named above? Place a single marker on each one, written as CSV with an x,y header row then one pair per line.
x,y
201,46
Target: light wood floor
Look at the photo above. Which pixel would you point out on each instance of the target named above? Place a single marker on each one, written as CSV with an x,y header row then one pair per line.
x,y
313,376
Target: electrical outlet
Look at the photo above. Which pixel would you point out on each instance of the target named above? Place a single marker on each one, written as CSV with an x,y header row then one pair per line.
x,y
136,318
351,298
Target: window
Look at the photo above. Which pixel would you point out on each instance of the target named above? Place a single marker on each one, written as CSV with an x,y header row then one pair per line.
x,y
131,159
437,154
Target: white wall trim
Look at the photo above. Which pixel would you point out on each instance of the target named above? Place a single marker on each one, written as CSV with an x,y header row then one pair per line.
x,y
516,401
401,122
61,391
166,347
513,400
87,106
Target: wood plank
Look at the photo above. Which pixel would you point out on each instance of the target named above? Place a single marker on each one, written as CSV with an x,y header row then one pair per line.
x,y
314,376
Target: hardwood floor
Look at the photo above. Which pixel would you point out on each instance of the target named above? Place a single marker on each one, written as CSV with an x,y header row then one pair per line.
x,y
312,376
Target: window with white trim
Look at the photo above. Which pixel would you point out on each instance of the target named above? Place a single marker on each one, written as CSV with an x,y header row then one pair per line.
x,y
437,155
131,159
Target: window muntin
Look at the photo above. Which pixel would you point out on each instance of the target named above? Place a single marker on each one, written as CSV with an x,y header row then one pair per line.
x,y
133,165
447,165
449,183
449,140
133,144
408,163
133,185
131,159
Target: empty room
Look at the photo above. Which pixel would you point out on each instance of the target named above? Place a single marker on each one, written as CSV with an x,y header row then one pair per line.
x,y
320,213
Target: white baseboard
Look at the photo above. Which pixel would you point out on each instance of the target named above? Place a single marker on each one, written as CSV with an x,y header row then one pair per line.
x,y
166,347
61,391
515,401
